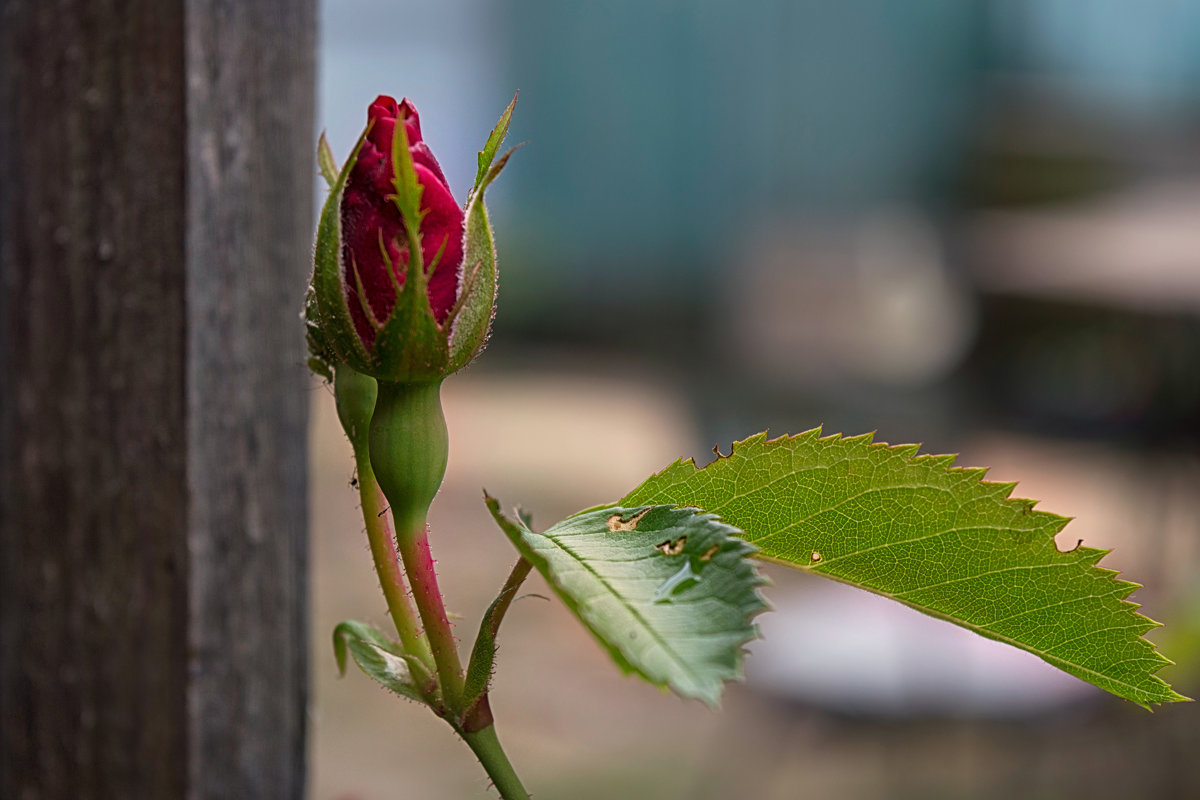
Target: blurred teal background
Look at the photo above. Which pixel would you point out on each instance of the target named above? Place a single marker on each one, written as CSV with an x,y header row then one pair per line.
x,y
971,223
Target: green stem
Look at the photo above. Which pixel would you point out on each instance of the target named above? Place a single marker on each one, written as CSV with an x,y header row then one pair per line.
x,y
487,749
356,395
408,445
387,564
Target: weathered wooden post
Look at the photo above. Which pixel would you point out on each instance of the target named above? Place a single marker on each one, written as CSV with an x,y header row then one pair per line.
x,y
155,230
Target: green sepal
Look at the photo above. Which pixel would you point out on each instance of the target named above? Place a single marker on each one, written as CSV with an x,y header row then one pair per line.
x,y
669,592
411,347
321,357
328,280
475,308
408,189
381,659
326,162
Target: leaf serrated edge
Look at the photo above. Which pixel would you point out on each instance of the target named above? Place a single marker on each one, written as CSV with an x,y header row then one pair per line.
x,y
733,538
1004,489
494,140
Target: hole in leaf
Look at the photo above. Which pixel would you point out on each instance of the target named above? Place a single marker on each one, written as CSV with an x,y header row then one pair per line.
x,y
669,548
615,523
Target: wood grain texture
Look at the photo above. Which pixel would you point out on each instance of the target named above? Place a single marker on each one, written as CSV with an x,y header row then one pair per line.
x,y
249,250
154,234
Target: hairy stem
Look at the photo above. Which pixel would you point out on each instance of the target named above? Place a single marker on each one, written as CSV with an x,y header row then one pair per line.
x,y
387,565
409,445
418,563
508,592
356,395
408,450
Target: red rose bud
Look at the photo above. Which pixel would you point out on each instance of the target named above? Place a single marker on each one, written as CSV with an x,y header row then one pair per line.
x,y
374,242
374,311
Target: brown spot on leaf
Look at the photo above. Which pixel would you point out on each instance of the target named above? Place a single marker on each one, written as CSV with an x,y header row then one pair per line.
x,y
615,523
669,548
710,552
815,557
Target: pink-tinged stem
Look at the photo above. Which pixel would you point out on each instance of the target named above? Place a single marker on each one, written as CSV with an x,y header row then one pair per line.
x,y
387,566
418,563
356,396
408,448
409,445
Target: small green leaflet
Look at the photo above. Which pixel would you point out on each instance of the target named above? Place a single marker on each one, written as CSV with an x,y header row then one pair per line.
x,y
483,654
668,591
933,536
379,658
492,146
326,162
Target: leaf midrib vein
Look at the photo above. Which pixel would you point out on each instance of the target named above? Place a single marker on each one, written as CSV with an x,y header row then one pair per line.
x,y
632,611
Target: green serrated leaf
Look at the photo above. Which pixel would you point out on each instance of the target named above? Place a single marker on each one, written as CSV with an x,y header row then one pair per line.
x,y
380,658
668,591
935,537
494,140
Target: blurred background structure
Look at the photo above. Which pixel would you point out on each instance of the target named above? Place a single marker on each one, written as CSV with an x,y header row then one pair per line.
x,y
971,224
